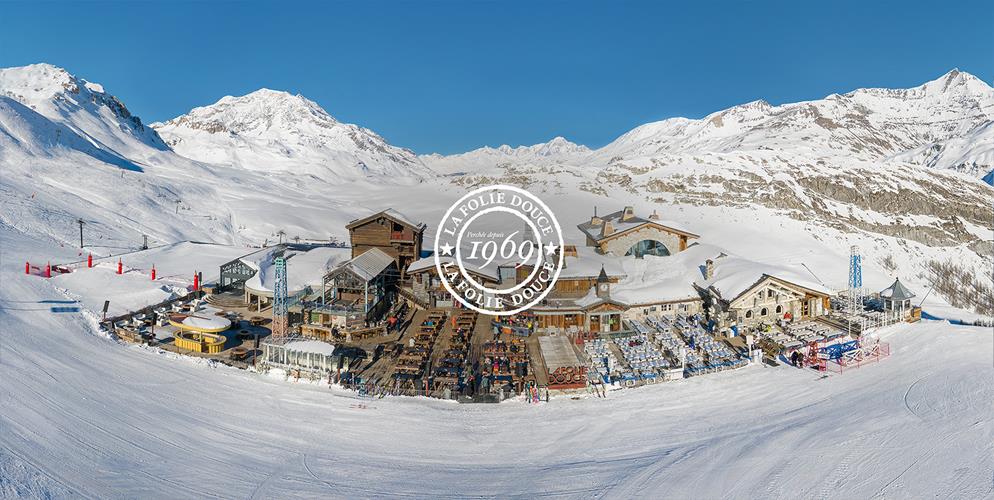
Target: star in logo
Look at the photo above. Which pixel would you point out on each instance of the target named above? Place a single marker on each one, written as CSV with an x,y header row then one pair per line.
x,y
446,249
550,249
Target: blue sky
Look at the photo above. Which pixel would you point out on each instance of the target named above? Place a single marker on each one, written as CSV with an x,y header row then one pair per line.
x,y
452,76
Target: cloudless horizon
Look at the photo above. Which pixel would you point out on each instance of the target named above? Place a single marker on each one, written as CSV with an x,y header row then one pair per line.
x,y
449,77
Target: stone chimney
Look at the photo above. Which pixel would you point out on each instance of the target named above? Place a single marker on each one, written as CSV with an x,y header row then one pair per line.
x,y
654,216
709,269
595,220
607,229
628,214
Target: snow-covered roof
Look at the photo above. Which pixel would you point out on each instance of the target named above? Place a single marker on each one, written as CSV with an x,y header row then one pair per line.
x,y
653,279
390,213
557,352
734,276
303,267
426,263
368,264
588,264
897,291
594,231
311,346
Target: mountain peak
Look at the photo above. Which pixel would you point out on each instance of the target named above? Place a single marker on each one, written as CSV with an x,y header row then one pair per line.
x,y
276,130
58,95
956,79
255,113
37,82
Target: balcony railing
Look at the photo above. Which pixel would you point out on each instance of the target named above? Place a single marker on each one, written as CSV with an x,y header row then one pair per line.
x,y
406,235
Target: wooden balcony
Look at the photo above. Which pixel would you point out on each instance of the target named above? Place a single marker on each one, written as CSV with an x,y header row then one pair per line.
x,y
405,236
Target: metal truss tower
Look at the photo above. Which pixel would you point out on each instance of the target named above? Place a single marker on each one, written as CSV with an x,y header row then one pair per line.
x,y
280,325
855,280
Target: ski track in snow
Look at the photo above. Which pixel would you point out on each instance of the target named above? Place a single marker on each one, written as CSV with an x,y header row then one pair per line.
x,y
86,416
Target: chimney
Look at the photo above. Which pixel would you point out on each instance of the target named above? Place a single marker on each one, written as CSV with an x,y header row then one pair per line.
x,y
607,229
709,269
654,216
595,220
628,214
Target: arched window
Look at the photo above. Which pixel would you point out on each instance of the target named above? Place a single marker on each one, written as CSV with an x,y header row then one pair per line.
x,y
779,309
648,247
748,314
763,312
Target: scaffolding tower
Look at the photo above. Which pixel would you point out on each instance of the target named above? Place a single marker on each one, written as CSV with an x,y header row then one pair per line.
x,y
855,280
281,322
855,292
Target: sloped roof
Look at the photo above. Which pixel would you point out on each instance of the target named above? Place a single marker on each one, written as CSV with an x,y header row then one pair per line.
x,y
620,227
391,214
428,263
368,264
897,291
734,276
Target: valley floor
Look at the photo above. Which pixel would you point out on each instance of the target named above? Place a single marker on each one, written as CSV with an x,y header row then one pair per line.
x,y
81,415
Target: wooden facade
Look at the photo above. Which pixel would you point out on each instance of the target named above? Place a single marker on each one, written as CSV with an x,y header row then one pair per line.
x,y
390,233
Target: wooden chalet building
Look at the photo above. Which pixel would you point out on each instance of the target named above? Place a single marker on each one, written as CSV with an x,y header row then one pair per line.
x,y
392,233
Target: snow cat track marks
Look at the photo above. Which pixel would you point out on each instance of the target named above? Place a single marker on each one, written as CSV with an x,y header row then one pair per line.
x,y
918,459
179,485
634,486
44,472
907,394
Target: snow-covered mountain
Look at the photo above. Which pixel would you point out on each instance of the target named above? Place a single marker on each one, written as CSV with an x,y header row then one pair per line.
x,y
558,150
270,130
866,124
896,171
82,107
945,123
69,150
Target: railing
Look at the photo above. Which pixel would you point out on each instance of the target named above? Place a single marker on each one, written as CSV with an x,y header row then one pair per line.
x,y
409,295
406,235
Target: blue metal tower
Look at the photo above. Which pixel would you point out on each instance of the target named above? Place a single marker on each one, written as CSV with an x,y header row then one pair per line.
x,y
280,320
855,280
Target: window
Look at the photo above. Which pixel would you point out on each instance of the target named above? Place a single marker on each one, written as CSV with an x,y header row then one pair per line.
x,y
648,247
763,312
748,314
779,309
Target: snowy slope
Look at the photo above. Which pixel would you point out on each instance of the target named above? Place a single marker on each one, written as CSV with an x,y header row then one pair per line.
x,y
558,150
69,150
58,168
84,416
82,106
866,124
81,415
270,130
971,153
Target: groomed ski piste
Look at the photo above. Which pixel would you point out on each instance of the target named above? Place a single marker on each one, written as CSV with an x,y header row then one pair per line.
x,y
86,416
